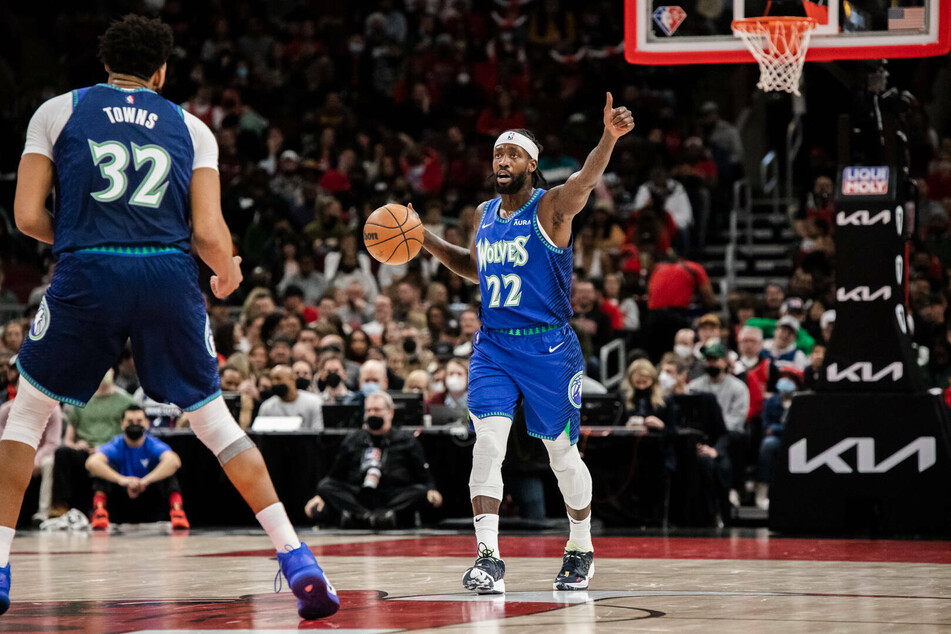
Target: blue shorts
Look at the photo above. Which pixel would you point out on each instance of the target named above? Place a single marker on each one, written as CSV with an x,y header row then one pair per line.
x,y
97,301
544,368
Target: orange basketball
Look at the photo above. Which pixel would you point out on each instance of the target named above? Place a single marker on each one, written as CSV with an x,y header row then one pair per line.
x,y
393,234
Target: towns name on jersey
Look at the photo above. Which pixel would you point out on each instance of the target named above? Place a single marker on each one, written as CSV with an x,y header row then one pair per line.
x,y
503,252
126,114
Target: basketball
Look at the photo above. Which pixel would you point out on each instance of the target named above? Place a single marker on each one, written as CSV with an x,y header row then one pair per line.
x,y
393,234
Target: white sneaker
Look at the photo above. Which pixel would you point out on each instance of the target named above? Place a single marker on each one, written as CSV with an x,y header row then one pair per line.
x,y
762,496
72,520
734,497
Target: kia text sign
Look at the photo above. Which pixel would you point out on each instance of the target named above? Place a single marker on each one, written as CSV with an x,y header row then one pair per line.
x,y
862,218
865,181
863,294
924,446
863,372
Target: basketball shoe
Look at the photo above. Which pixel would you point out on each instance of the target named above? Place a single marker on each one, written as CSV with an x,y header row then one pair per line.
x,y
100,519
179,521
577,568
4,588
487,574
316,598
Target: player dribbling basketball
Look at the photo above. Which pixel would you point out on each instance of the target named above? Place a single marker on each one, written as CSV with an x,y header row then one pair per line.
x,y
521,257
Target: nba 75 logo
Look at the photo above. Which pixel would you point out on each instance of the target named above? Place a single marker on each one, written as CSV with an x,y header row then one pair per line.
x,y
669,19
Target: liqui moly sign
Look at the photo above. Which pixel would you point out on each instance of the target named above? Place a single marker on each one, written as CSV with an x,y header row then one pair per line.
x,y
865,181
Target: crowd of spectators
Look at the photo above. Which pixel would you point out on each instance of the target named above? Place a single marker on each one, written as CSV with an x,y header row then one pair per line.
x,y
325,112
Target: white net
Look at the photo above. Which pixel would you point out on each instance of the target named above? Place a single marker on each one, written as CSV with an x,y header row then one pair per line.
x,y
779,46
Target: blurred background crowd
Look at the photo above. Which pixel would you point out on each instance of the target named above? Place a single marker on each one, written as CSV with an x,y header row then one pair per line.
x,y
325,111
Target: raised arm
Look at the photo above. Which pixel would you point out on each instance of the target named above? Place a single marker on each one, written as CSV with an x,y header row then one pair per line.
x,y
560,204
460,261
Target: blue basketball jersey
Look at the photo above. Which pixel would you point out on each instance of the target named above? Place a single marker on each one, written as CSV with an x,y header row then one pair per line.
x,y
524,279
123,171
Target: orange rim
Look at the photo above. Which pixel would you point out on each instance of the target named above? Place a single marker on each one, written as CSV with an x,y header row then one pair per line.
x,y
748,24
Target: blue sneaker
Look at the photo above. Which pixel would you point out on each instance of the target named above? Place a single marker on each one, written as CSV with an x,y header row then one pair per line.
x,y
316,598
4,589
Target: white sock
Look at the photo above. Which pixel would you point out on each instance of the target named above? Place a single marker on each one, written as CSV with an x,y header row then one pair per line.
x,y
6,540
274,520
581,532
487,531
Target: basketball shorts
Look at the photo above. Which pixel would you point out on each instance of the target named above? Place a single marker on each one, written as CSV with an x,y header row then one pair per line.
x,y
97,301
544,368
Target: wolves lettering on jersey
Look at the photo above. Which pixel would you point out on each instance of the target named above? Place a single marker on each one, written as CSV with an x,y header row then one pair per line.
x,y
502,252
524,279
123,171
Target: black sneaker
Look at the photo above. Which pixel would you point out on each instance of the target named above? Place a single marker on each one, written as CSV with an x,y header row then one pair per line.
x,y
383,520
486,575
577,568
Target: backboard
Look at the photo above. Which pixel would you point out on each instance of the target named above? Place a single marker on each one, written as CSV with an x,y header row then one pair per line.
x,y
698,31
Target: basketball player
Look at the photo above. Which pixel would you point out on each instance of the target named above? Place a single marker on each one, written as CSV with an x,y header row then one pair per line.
x,y
131,171
521,258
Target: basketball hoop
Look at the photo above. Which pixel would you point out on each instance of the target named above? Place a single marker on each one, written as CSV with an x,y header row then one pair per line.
x,y
779,45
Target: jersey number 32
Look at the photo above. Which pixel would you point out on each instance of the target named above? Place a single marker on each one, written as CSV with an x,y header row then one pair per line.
x,y
112,157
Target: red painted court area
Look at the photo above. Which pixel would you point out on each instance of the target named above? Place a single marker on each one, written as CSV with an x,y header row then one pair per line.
x,y
766,549
365,609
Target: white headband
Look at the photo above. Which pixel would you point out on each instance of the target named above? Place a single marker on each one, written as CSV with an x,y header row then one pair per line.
x,y
519,139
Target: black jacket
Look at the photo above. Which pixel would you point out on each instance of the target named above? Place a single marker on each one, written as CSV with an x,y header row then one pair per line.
x,y
402,460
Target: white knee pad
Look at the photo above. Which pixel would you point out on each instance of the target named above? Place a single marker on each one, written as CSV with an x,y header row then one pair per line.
x,y
215,427
573,476
492,433
29,415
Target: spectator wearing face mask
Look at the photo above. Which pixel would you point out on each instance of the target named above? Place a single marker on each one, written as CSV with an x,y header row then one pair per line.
x,y
708,328
755,367
774,424
304,373
134,474
645,406
330,379
373,378
286,399
379,472
673,374
734,399
457,385
684,341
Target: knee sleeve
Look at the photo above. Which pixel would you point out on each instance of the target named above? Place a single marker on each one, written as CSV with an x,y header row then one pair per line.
x,y
574,480
29,415
215,427
488,453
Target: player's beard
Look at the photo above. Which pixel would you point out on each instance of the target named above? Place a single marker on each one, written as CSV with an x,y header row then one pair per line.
x,y
515,184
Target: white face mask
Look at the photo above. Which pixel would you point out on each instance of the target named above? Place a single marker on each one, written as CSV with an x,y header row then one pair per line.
x,y
666,381
455,383
439,387
750,361
244,345
683,351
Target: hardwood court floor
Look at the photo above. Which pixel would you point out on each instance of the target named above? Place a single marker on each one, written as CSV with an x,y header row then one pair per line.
x,y
142,579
